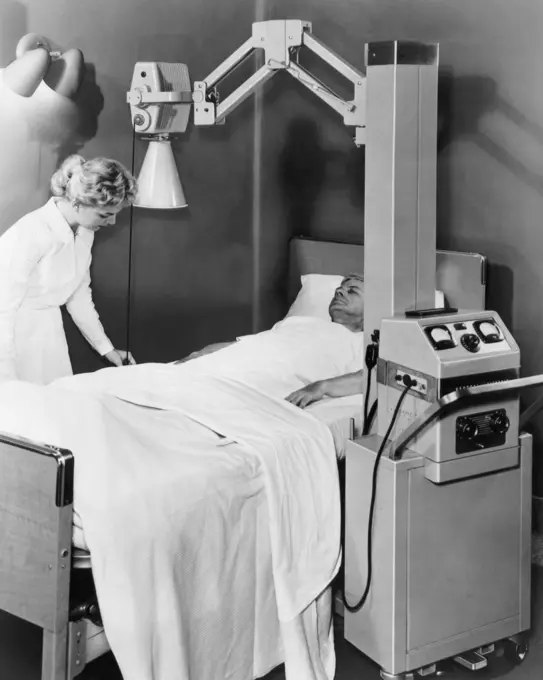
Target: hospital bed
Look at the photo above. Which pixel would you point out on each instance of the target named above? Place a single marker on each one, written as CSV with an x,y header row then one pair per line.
x,y
45,571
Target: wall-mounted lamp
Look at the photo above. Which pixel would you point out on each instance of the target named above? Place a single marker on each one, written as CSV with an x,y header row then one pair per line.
x,y
38,93
37,65
160,99
24,75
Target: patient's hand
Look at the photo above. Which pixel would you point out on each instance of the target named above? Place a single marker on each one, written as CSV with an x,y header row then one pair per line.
x,y
308,394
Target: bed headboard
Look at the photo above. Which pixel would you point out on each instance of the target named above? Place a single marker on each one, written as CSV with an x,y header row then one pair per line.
x,y
461,276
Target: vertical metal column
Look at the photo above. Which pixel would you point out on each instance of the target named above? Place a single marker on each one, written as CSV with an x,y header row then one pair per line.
x,y
400,189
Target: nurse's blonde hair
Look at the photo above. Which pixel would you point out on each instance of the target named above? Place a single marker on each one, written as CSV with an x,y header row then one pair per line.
x,y
97,183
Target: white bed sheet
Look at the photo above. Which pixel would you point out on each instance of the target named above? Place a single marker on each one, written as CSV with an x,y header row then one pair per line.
x,y
343,416
250,594
199,571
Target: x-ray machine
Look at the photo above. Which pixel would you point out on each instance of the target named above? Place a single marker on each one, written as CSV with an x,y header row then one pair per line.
x,y
451,522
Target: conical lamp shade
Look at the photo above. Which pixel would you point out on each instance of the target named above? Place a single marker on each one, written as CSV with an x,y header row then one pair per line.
x,y
159,186
24,74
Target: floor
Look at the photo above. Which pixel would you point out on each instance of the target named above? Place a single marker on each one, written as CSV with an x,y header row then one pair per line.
x,y
20,650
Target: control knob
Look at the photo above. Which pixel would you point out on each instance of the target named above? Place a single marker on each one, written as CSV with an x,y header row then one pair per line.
x,y
470,342
499,423
466,428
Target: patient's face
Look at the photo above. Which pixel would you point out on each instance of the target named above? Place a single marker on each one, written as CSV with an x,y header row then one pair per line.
x,y
347,306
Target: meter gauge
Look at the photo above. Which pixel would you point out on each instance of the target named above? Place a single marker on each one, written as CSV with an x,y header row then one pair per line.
x,y
440,337
488,331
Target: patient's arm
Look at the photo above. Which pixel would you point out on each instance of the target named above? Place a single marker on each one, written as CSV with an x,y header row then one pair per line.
x,y
342,386
206,350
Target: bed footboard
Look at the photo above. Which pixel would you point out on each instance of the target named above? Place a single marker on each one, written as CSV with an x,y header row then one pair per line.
x,y
36,496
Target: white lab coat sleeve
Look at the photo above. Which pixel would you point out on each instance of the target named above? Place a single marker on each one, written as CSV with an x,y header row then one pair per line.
x,y
20,251
82,310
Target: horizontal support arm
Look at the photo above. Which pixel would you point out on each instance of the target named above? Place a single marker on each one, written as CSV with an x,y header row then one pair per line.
x,y
230,63
322,91
138,96
208,112
242,92
333,59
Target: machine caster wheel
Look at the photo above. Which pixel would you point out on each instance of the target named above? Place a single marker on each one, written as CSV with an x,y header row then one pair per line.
x,y
400,676
515,651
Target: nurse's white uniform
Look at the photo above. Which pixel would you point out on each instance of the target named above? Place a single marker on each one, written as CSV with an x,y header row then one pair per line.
x,y
44,265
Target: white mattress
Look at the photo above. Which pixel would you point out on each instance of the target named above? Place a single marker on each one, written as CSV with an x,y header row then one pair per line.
x,y
343,416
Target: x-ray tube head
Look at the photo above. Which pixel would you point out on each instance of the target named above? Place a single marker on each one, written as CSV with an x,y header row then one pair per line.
x,y
160,98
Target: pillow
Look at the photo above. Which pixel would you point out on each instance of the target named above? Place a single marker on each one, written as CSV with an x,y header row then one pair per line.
x,y
317,292
315,295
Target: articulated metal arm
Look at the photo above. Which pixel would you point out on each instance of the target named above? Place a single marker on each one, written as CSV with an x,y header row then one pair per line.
x,y
280,40
163,87
354,112
458,398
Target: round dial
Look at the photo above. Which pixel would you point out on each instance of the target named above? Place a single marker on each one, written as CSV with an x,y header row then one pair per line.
x,y
470,342
466,428
499,423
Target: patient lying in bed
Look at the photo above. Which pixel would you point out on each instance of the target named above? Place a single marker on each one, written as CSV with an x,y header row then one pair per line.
x,y
302,346
336,386
296,352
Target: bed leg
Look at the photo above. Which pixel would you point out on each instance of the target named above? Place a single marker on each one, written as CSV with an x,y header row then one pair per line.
x,y
77,647
54,665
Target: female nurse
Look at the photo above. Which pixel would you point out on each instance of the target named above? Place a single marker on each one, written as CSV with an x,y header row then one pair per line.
x,y
45,262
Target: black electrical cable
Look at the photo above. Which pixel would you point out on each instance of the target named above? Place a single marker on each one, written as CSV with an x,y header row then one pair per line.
x,y
130,239
365,427
372,353
358,606
371,416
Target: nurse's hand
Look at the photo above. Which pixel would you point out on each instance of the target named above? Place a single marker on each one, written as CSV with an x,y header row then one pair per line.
x,y
309,394
120,357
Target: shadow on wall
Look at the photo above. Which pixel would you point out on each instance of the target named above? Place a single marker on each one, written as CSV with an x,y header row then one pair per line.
x,y
306,165
464,102
302,173
90,103
474,109
307,168
500,291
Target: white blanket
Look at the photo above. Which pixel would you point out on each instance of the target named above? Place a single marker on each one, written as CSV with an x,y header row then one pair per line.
x,y
137,479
